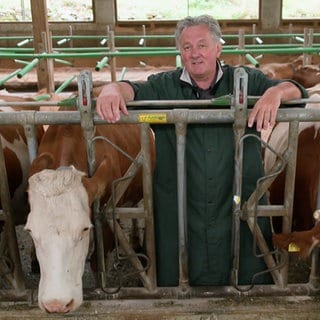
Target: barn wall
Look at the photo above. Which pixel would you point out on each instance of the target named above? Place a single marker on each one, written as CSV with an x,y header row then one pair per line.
x,y
105,16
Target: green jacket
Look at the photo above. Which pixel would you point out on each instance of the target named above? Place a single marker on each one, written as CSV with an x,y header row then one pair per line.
x,y
210,172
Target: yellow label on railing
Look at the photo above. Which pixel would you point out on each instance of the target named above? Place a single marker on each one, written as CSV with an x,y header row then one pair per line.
x,y
293,247
153,118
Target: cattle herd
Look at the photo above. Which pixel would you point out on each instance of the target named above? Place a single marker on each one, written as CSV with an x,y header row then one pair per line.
x,y
57,182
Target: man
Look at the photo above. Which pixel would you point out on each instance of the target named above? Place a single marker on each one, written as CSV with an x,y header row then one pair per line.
x,y
210,157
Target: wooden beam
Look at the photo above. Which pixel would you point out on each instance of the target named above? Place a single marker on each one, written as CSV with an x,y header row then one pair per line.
x,y
42,43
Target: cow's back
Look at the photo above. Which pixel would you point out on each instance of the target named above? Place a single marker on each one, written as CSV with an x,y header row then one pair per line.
x,y
66,145
17,162
307,171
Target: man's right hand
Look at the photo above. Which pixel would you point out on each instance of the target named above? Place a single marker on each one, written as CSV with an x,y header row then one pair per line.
x,y
112,100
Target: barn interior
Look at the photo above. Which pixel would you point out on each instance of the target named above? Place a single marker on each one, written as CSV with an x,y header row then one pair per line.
x,y
81,44
44,57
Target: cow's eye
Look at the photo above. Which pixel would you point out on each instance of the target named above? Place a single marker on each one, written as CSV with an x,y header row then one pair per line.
x,y
85,231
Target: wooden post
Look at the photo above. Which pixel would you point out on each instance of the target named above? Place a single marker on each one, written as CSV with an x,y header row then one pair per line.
x,y
42,44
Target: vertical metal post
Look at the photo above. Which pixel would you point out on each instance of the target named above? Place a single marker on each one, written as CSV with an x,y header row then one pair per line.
x,y
181,130
240,122
32,141
87,124
293,137
148,204
9,232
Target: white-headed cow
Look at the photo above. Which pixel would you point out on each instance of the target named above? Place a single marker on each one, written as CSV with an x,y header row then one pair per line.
x,y
60,196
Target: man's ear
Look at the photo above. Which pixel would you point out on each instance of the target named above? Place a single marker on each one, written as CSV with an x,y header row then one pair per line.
x,y
219,49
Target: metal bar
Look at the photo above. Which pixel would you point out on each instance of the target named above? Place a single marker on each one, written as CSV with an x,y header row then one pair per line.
x,y
289,186
138,53
101,64
181,132
240,89
64,84
84,105
158,36
12,51
9,76
164,104
28,68
169,116
148,203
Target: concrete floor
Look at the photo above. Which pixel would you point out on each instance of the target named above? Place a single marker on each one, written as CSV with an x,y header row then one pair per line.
x,y
266,308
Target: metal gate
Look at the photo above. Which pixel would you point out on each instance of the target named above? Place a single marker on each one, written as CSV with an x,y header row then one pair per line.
x,y
248,211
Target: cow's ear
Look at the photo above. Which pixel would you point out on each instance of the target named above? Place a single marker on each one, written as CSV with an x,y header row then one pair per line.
x,y
96,184
43,161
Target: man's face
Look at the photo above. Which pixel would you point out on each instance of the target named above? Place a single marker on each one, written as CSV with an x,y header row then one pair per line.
x,y
199,51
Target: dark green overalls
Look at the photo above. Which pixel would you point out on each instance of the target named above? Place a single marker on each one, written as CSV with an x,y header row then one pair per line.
x,y
210,172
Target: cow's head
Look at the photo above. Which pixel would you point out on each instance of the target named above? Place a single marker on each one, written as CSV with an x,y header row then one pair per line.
x,y
59,223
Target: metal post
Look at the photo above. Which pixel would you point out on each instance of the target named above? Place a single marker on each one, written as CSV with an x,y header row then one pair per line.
x,y
240,121
148,203
85,104
181,131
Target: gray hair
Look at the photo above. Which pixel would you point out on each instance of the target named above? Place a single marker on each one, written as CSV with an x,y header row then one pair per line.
x,y
205,19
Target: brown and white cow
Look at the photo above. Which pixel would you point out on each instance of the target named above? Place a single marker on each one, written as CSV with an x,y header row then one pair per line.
x,y
307,75
302,242
307,173
16,155
60,196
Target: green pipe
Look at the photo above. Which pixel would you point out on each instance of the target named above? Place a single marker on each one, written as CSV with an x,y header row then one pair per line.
x,y
28,68
226,36
64,84
23,42
68,63
52,55
123,71
62,41
178,61
14,51
252,60
224,51
8,77
21,61
102,63
301,50
42,97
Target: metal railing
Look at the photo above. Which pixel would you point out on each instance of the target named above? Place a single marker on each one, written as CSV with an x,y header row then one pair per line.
x,y
248,212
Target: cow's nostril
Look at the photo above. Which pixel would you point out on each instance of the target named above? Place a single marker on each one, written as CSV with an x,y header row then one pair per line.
x,y
69,305
56,306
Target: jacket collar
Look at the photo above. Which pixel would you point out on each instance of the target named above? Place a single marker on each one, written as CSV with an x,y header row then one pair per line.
x,y
185,76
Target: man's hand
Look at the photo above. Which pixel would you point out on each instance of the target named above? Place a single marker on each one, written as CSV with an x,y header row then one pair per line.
x,y
265,110
112,100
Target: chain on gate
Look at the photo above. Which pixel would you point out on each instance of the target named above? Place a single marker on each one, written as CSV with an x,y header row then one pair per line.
x,y
85,107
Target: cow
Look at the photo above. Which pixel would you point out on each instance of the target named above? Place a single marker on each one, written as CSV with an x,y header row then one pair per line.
x,y
307,175
279,70
16,155
308,75
314,89
60,195
302,242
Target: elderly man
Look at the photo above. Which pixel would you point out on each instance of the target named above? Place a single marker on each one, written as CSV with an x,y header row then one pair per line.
x,y
210,157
